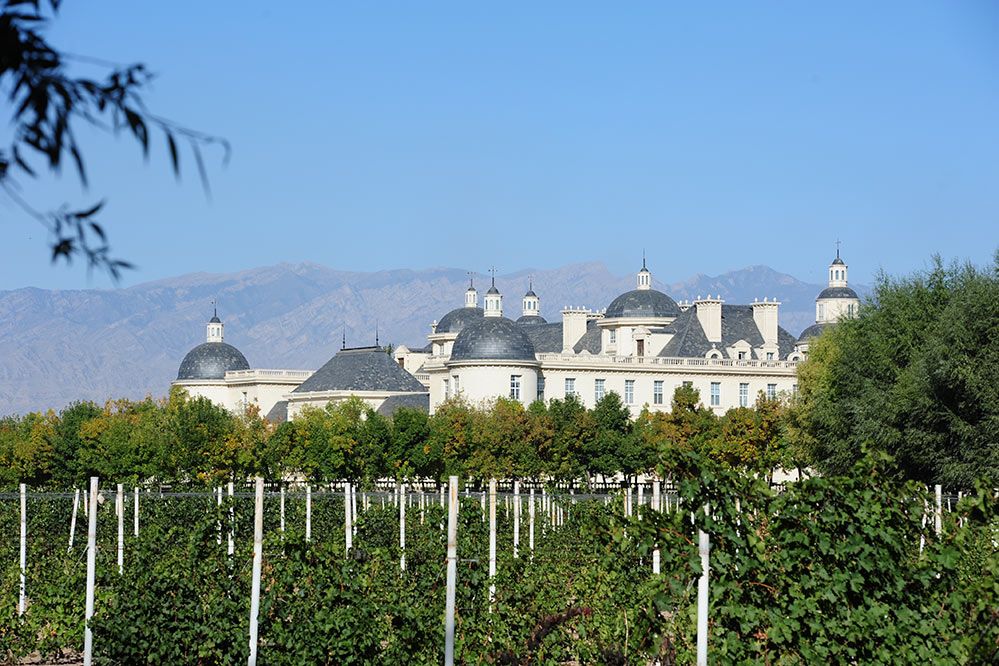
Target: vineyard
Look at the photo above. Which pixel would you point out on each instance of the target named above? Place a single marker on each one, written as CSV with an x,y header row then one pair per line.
x,y
830,570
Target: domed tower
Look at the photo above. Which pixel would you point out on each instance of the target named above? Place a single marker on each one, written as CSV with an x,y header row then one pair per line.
x,y
531,311
210,360
471,296
837,300
629,321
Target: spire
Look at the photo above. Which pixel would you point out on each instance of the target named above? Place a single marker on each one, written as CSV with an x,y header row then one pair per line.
x,y
471,296
343,343
644,276
837,270
376,333
215,329
494,300
531,304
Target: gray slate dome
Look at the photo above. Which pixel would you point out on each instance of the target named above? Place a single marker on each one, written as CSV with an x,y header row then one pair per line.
x,y
837,292
455,320
530,320
493,339
813,331
642,303
211,360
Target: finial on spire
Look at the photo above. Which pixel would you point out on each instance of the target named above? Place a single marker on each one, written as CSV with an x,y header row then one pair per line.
x,y
215,310
343,343
492,272
471,284
643,259
837,248
530,283
376,333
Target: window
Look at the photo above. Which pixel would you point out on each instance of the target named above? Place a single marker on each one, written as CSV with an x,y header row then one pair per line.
x,y
822,311
515,387
849,310
455,378
541,388
771,391
657,392
598,389
570,386
640,347
613,337
744,395
629,391
715,394
447,389
794,389
742,356
770,356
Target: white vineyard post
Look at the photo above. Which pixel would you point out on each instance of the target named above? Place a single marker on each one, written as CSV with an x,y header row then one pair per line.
x,y
347,522
442,497
938,513
258,554
282,509
452,569
232,520
422,505
86,505
308,512
88,636
402,526
656,506
72,521
135,512
704,549
516,518
483,502
353,510
218,524
492,543
119,505
24,548
530,517
641,499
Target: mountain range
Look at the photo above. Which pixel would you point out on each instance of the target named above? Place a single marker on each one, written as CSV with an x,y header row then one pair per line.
x,y
59,346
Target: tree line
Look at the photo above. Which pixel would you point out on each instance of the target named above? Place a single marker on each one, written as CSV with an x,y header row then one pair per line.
x,y
192,440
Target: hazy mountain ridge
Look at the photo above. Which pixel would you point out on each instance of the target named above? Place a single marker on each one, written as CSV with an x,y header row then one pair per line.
x,y
57,346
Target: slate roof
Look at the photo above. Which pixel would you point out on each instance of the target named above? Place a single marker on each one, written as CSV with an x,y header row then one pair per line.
x,y
394,402
813,331
837,292
457,319
279,412
591,339
546,338
530,320
737,324
642,303
361,369
493,339
211,360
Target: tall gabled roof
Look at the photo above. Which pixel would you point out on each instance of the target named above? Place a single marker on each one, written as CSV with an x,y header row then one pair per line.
x,y
737,324
361,369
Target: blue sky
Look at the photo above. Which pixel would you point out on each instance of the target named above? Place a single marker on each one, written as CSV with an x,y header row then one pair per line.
x,y
384,135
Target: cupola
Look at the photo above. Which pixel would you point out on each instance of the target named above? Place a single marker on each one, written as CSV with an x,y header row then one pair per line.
x,y
494,300
532,304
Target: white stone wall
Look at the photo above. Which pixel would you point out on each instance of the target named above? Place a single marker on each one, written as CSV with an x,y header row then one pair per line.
x,y
482,383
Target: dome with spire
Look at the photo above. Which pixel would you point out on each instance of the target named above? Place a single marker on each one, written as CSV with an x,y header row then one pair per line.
x,y
643,302
214,357
531,311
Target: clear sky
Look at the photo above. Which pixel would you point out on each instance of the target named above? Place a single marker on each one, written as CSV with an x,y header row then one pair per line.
x,y
377,135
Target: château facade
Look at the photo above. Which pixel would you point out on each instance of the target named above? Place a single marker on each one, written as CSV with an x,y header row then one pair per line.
x,y
642,346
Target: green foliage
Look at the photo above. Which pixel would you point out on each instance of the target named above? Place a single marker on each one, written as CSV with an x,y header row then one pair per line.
x,y
915,375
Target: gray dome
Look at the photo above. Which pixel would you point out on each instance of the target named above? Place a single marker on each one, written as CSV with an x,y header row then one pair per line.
x,y
492,339
211,360
642,303
531,319
813,331
455,320
837,292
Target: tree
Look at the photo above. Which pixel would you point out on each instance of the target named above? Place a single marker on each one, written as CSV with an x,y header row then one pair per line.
x,y
48,104
916,375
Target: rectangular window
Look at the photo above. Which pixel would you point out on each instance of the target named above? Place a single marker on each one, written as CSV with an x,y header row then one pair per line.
x,y
715,394
744,395
629,391
613,336
794,389
541,388
447,389
771,391
455,382
598,389
742,356
570,386
657,392
770,356
515,387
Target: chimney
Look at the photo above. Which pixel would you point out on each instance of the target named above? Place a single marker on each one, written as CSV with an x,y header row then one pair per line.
x,y
765,316
573,327
709,314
